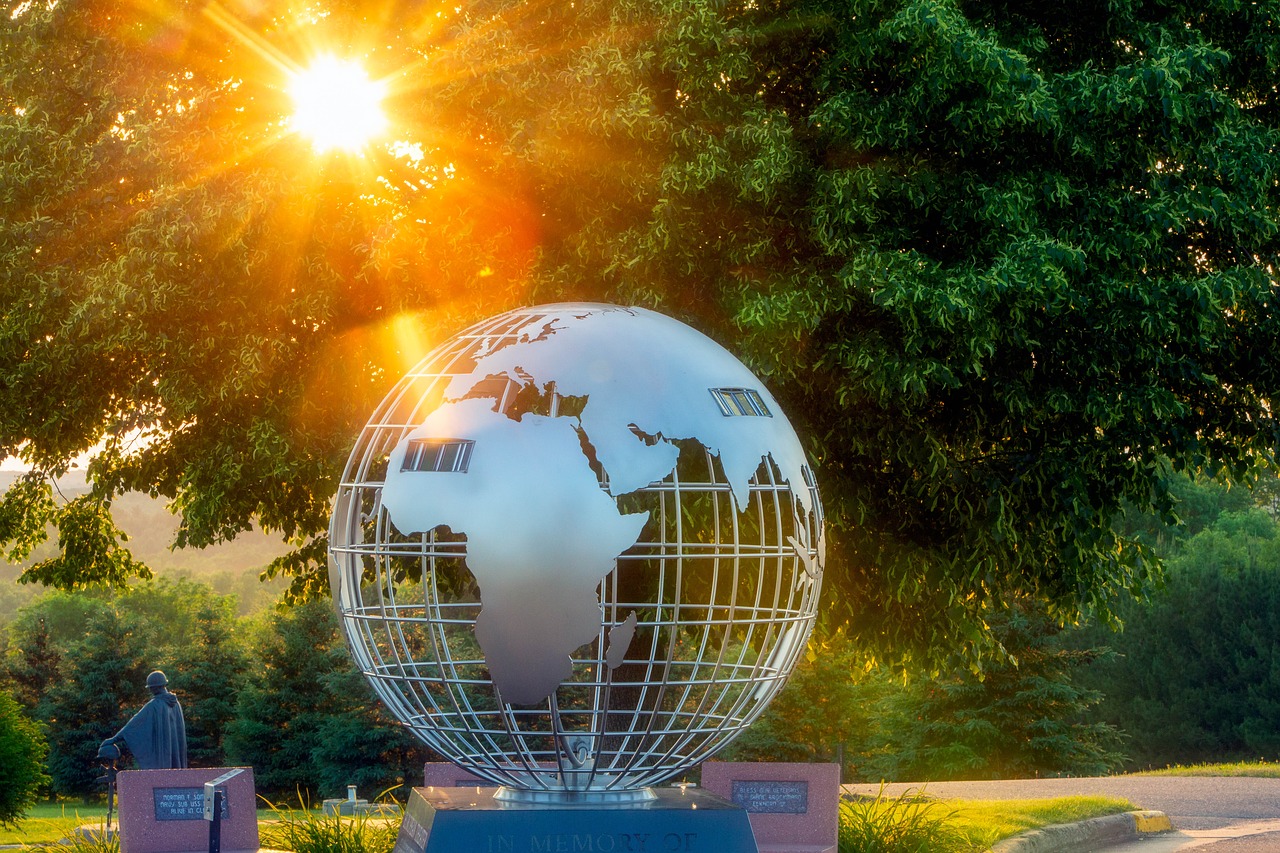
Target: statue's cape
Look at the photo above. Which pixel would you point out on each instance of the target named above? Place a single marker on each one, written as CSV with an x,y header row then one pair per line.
x,y
157,735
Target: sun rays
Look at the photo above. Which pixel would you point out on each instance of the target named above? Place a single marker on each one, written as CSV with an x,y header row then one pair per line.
x,y
336,105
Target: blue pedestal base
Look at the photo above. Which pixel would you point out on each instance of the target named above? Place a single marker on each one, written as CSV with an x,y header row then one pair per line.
x,y
469,820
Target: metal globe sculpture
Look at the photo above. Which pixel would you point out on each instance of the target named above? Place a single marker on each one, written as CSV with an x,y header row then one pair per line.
x,y
576,550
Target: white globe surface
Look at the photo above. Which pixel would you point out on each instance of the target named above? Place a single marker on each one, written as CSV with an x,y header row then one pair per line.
x,y
577,549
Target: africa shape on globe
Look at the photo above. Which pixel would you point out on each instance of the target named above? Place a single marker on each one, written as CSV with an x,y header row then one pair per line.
x,y
536,443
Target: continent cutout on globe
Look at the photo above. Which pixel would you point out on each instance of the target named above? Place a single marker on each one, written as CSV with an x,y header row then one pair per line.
x,y
541,531
644,372
541,535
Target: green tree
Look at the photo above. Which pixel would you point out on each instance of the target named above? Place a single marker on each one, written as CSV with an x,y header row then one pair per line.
x,y
1198,502
184,628
825,713
1020,717
207,676
305,719
1001,260
1016,719
178,626
12,596
98,686
22,752
1196,674
360,744
281,706
31,664
166,613
40,639
78,661
56,620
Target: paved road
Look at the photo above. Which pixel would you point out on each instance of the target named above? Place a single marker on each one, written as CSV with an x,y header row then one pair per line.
x,y
1231,814
1236,837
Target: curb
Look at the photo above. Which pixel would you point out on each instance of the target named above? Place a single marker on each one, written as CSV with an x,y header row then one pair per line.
x,y
1086,835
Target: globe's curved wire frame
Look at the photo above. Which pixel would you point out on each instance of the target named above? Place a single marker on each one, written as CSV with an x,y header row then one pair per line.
x,y
724,601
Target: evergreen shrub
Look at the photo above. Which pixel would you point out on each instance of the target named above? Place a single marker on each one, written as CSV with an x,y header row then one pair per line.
x,y
22,753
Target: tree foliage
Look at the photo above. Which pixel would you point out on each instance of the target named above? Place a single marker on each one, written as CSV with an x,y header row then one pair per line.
x,y
306,721
208,676
32,665
1000,259
826,713
276,690
1196,672
22,752
1019,717
93,696
77,662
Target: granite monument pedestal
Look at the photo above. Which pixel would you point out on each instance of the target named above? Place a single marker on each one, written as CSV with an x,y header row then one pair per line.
x,y
162,811
793,807
471,820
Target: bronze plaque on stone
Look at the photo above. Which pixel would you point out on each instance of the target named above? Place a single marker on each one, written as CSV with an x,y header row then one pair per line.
x,y
767,796
183,804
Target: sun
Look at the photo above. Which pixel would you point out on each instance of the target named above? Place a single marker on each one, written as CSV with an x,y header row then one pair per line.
x,y
336,105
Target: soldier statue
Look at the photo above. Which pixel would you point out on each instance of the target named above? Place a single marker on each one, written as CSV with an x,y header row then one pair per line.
x,y
157,735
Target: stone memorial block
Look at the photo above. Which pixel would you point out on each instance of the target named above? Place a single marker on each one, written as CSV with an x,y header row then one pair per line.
x,y
162,811
793,808
471,820
446,774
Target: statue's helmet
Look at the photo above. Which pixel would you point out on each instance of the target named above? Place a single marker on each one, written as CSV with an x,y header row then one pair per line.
x,y
157,679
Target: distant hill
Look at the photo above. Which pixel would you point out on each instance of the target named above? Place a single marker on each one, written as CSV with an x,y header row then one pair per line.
x,y
151,529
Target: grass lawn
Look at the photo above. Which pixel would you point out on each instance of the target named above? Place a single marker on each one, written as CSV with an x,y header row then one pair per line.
x,y
970,825
981,823
917,823
1265,769
966,826
50,822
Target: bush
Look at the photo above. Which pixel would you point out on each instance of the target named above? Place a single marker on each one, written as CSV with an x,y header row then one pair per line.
x,y
311,832
1019,717
306,720
1016,719
907,824
22,753
1196,675
823,714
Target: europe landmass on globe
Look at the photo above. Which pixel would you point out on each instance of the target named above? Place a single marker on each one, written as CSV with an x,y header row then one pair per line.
x,y
541,531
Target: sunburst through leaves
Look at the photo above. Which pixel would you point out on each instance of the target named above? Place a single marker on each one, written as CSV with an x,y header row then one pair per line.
x,y
336,105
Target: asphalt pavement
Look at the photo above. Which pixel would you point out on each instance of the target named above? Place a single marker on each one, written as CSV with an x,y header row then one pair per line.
x,y
1236,837
1233,814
